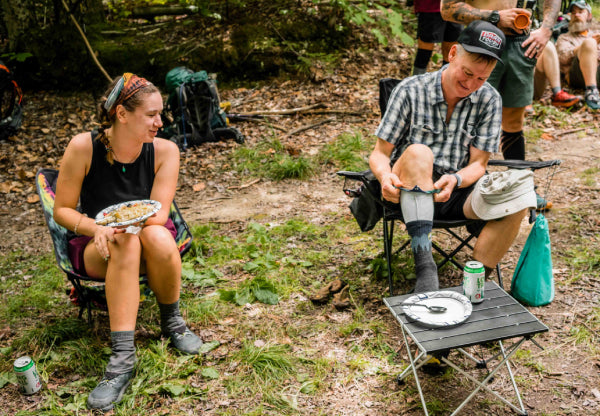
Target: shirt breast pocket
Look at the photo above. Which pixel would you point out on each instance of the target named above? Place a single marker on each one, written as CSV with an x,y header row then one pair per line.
x,y
468,135
424,134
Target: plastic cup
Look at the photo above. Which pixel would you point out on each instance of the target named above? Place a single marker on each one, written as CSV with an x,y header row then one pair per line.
x,y
521,21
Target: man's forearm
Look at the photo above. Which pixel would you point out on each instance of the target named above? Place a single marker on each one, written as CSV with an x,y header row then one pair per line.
x,y
379,164
461,12
551,9
471,174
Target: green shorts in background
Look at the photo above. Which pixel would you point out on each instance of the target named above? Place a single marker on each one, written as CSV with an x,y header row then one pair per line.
x,y
513,77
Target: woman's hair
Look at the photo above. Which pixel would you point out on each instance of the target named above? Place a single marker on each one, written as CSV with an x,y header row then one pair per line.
x,y
107,117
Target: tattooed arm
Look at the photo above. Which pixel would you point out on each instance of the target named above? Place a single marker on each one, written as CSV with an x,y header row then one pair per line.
x,y
460,12
536,43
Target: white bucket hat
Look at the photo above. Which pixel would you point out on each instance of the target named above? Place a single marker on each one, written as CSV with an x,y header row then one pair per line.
x,y
499,194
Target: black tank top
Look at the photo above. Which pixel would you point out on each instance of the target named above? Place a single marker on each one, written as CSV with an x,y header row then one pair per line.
x,y
107,184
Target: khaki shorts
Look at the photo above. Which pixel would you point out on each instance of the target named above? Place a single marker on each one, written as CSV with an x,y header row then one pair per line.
x,y
513,77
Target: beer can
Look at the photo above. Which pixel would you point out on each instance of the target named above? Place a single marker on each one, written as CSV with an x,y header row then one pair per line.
x,y
474,281
27,375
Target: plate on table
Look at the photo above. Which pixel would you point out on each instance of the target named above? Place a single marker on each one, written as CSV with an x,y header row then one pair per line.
x,y
127,213
458,308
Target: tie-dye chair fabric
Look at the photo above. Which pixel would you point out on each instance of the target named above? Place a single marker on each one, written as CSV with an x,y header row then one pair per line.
x,y
87,296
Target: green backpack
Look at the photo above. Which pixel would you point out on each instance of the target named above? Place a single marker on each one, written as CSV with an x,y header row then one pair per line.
x,y
196,111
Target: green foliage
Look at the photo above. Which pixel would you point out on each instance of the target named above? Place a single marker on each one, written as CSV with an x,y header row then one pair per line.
x,y
19,57
257,289
388,22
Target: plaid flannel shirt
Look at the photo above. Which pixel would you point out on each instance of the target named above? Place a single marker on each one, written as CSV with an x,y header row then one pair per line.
x,y
416,113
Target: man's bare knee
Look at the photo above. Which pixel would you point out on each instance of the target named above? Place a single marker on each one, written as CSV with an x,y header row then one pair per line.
x,y
416,162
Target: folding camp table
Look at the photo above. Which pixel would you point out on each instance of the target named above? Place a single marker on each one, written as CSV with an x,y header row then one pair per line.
x,y
497,318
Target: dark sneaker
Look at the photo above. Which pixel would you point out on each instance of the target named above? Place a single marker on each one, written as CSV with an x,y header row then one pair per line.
x,y
592,99
542,204
109,392
186,342
564,99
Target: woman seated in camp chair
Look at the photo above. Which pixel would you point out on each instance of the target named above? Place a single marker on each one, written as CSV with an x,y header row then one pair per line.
x,y
123,161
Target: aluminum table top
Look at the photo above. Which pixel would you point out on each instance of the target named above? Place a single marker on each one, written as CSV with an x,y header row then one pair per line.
x,y
498,317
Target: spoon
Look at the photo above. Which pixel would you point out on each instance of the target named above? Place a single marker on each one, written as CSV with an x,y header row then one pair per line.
x,y
432,308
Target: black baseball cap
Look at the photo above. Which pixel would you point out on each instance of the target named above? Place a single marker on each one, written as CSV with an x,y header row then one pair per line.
x,y
483,38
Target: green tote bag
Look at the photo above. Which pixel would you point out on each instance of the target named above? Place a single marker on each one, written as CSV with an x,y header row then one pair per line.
x,y
533,281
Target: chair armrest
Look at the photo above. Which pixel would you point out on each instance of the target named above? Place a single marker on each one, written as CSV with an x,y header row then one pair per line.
x,y
524,164
359,176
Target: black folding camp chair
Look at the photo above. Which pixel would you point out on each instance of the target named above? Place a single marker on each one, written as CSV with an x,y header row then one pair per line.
x,y
84,295
368,207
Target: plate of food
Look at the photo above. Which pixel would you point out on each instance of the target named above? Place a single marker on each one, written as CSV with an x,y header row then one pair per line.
x,y
456,308
127,213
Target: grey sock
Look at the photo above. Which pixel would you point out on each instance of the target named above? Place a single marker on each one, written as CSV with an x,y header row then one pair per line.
x,y
122,358
425,267
417,210
170,318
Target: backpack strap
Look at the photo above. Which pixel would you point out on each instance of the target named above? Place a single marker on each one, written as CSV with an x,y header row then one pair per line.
x,y
182,107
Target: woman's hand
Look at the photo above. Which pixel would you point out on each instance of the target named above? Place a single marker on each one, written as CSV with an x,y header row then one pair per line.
x,y
102,237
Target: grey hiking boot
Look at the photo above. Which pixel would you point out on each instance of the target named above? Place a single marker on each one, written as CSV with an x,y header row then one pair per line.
x,y
186,342
109,392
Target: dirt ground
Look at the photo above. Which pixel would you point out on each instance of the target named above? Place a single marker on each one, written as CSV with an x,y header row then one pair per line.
x,y
209,191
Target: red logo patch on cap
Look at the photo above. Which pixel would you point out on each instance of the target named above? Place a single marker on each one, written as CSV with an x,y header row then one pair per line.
x,y
491,39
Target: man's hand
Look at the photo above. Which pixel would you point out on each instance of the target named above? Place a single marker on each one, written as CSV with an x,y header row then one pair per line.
x,y
507,20
446,183
536,42
390,187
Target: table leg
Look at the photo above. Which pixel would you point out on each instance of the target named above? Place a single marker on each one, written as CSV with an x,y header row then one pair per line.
x,y
412,365
482,384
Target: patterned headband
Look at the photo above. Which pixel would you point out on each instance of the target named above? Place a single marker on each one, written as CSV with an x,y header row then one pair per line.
x,y
127,85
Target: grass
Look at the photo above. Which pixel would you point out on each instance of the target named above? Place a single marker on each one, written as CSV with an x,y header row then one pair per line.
x,y
271,351
589,176
271,159
273,365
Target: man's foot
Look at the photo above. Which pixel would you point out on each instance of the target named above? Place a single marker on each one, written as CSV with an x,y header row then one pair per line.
x,y
186,342
592,99
542,204
109,391
564,99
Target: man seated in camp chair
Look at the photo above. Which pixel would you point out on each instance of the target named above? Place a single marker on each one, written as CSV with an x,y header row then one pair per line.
x,y
433,146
